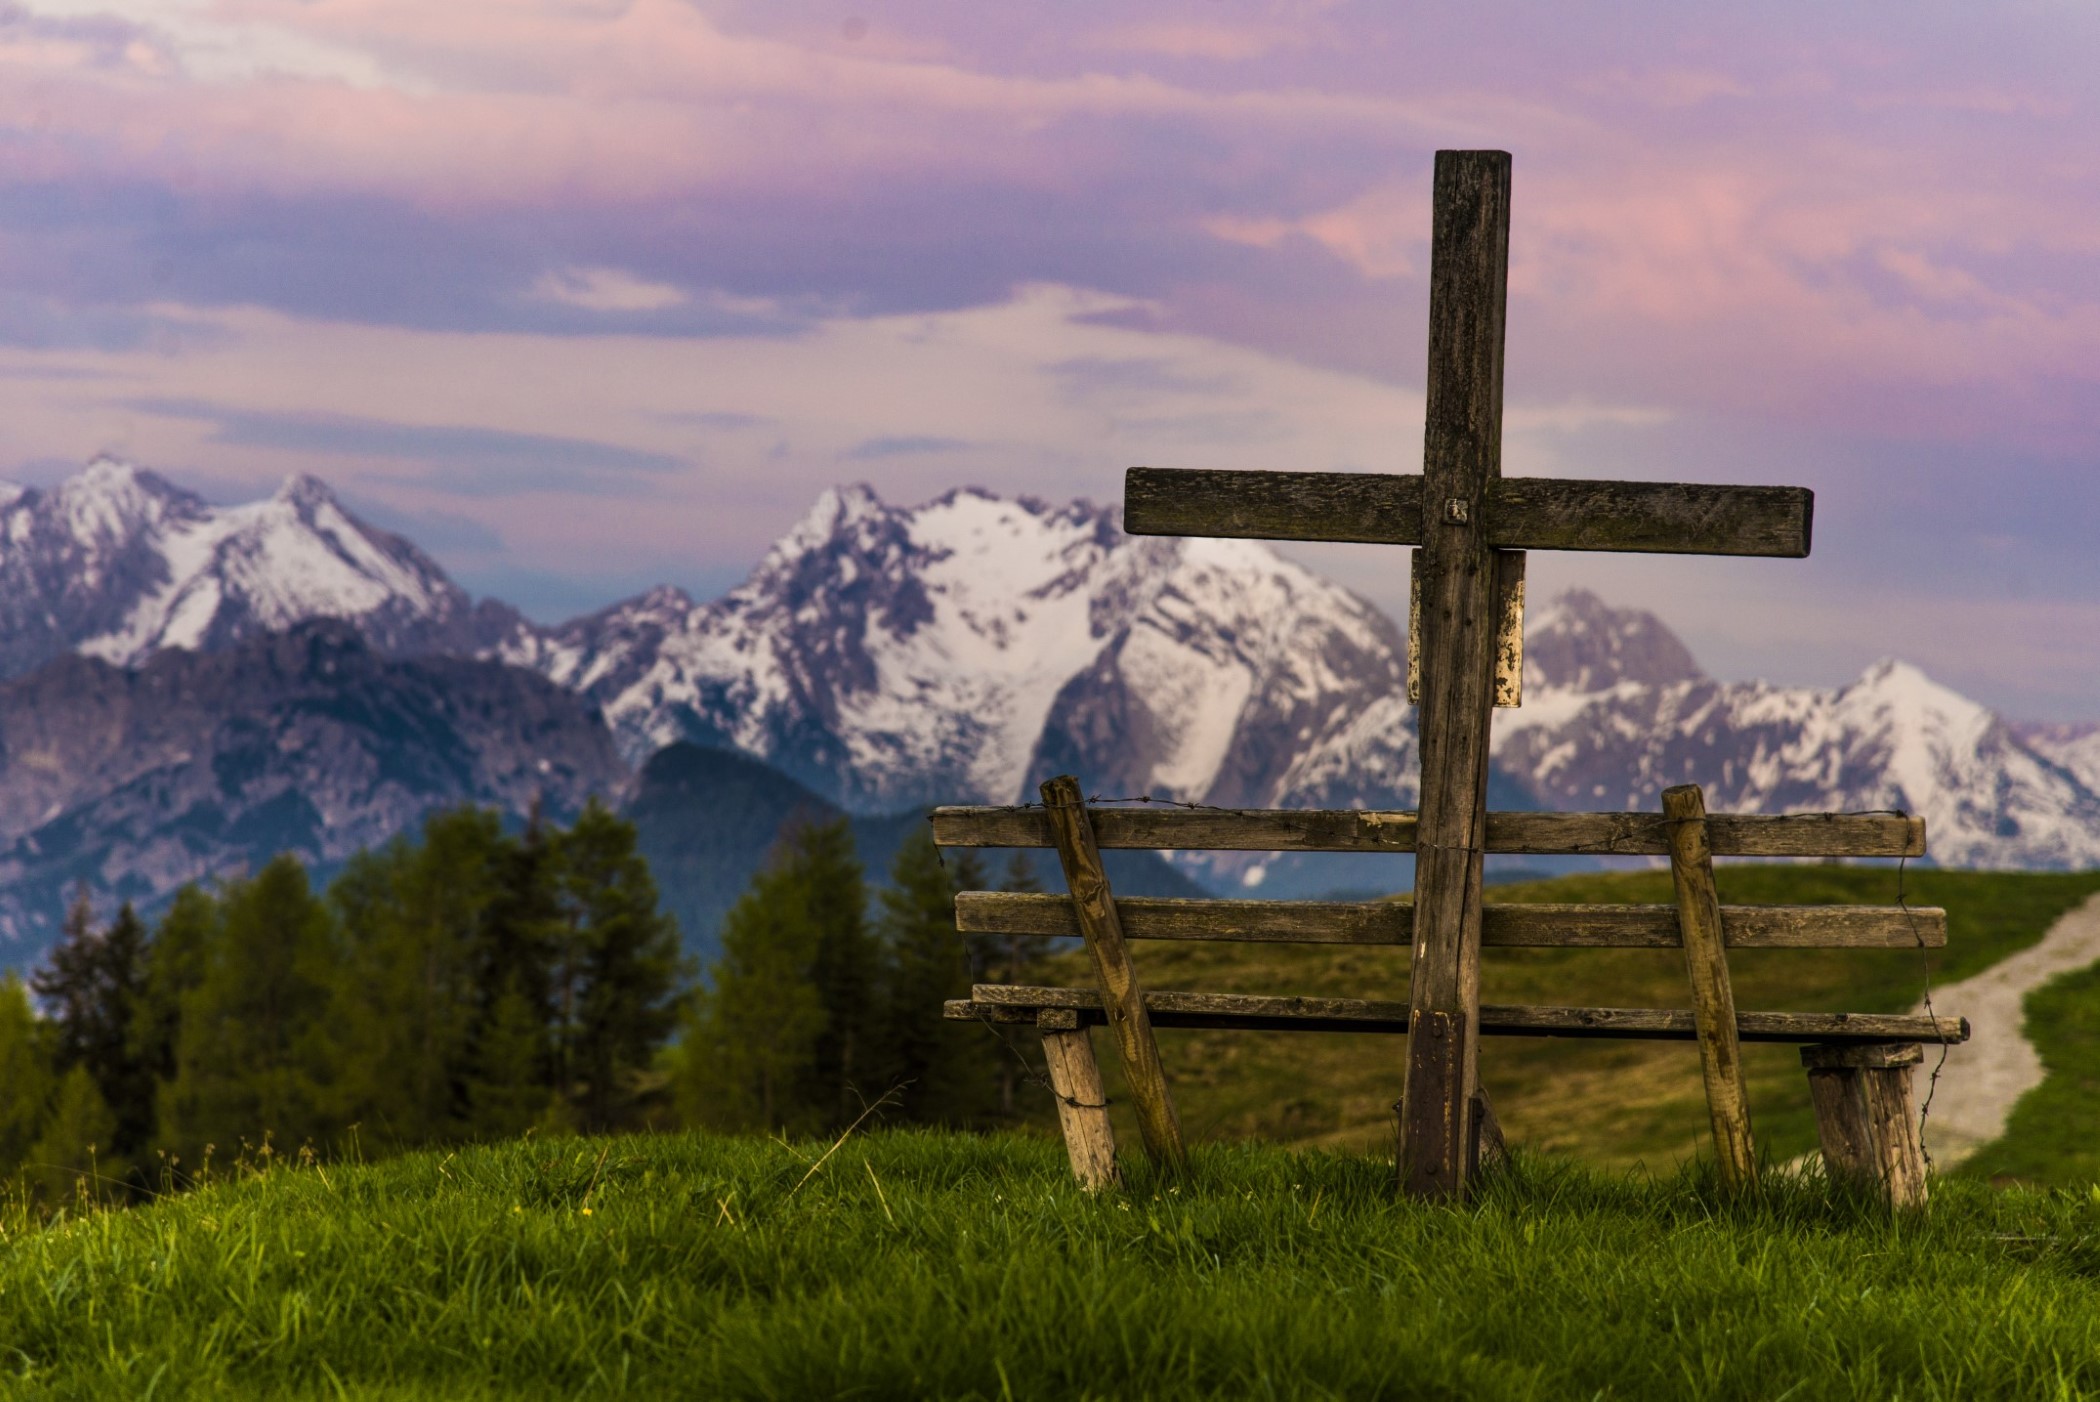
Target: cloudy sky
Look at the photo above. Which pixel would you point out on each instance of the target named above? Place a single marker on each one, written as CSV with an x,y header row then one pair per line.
x,y
591,294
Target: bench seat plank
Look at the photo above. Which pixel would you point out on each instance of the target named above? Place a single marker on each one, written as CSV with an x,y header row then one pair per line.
x,y
1364,830
1007,1003
1503,926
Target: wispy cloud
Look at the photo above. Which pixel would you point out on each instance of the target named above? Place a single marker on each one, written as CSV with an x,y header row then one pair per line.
x,y
463,459
905,445
606,290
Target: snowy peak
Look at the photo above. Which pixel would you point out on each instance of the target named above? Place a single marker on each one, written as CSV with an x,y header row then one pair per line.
x,y
116,563
1577,642
961,648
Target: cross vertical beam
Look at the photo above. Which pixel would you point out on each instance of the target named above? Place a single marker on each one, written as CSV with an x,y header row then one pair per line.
x,y
1461,460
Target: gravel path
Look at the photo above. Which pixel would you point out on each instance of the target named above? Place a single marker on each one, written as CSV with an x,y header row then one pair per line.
x,y
1985,1076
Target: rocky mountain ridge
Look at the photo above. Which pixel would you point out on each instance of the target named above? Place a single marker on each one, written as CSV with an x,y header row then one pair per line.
x,y
118,563
196,765
884,657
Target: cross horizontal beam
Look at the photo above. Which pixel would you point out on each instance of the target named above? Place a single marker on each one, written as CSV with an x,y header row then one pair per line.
x,y
1522,513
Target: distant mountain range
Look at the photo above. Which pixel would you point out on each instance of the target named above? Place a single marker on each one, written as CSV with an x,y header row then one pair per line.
x,y
169,711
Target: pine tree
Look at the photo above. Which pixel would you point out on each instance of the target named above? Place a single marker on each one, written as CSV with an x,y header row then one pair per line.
x,y
748,1058
946,1077
253,1054
511,1069
618,970
72,1159
174,965
26,1082
507,1087
409,1005
846,968
93,982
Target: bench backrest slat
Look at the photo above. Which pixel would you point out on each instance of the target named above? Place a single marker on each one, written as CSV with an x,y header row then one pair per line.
x,y
1503,926
1363,830
1173,1009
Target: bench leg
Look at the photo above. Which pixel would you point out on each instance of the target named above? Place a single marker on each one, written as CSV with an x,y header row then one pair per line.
x,y
1864,1119
1082,1105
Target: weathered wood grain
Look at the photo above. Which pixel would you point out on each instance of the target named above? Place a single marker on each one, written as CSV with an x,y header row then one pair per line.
x,y
1013,1003
1511,926
1865,1122
1372,508
1713,997
1543,513
1461,459
1842,1129
1359,830
1521,513
1509,628
1094,907
1899,1151
1082,1104
1880,1054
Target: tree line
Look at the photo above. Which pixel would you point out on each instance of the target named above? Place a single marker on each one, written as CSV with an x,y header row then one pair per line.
x,y
471,982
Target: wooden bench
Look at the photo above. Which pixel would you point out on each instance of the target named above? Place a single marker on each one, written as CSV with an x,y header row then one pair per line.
x,y
1859,1064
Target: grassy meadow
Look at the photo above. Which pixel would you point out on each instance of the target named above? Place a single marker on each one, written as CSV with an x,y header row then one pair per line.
x,y
903,1263
918,1264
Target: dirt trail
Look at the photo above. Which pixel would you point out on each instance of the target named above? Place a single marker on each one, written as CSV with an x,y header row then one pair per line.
x,y
1983,1078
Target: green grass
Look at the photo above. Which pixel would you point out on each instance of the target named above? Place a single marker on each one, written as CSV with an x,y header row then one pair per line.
x,y
2054,1133
1614,1104
921,1265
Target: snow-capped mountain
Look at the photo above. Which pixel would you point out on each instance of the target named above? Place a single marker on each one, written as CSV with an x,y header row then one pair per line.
x,y
1614,712
117,563
962,649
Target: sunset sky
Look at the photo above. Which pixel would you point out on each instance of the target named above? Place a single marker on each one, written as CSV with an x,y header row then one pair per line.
x,y
587,295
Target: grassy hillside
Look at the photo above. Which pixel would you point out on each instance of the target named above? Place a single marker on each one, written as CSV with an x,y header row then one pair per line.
x,y
2054,1134
921,1265
1615,1104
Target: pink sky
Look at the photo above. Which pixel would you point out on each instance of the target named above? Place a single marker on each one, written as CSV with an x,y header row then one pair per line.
x,y
588,294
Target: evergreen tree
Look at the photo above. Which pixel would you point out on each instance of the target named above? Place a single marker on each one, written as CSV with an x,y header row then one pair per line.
x,y
409,1006
947,1078
72,1159
511,1080
749,1055
93,983
617,970
507,1087
252,1053
174,965
846,968
25,1074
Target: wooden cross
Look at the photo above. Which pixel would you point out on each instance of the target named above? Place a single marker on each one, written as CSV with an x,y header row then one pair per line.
x,y
1470,525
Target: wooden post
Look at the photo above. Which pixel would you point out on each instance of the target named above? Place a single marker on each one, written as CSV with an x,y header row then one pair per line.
x,y
1864,1120
1121,997
1713,999
1461,458
1082,1105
